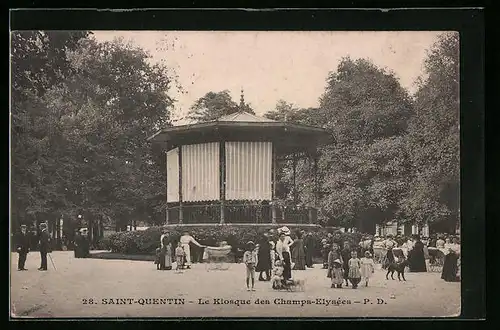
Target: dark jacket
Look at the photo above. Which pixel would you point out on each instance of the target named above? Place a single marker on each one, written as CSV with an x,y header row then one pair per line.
x,y
23,242
44,241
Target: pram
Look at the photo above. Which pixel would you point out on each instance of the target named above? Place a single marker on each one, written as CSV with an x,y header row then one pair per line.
x,y
436,259
217,257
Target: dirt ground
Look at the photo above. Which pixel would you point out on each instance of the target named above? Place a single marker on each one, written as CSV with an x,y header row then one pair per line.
x,y
120,288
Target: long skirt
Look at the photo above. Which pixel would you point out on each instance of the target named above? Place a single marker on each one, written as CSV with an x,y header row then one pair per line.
x,y
78,252
309,258
287,267
167,259
450,268
337,276
187,253
417,262
300,263
388,259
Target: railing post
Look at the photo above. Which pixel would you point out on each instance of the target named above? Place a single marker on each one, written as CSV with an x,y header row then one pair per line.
x,y
222,180
166,185
274,165
181,215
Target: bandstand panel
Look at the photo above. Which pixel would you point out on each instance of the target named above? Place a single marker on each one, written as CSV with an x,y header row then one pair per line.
x,y
173,175
200,172
248,170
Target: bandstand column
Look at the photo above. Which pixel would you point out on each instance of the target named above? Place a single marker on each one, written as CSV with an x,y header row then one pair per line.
x,y
166,185
274,166
181,215
222,180
294,163
315,188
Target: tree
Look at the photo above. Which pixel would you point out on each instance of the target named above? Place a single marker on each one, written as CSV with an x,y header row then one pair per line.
x,y
364,173
82,146
303,190
115,102
434,137
285,111
367,111
215,105
38,62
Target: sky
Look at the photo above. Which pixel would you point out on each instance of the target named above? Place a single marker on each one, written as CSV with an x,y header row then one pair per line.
x,y
269,66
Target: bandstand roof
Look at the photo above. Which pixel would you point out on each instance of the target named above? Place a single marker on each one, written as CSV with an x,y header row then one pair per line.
x,y
243,126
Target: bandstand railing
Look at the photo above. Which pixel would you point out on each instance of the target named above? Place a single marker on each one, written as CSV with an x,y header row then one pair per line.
x,y
239,213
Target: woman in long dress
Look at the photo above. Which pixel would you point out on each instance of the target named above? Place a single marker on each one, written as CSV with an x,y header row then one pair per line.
x,y
416,257
264,258
388,244
185,240
298,253
450,266
309,247
166,253
283,252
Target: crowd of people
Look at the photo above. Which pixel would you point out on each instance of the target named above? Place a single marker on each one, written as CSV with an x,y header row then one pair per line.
x,y
420,253
276,254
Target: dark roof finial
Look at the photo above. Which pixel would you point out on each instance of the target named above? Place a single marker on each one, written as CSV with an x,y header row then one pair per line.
x,y
242,100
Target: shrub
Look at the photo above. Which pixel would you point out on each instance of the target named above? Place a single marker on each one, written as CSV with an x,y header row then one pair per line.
x,y
146,241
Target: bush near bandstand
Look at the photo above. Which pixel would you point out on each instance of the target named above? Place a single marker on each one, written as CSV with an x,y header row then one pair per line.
x,y
146,241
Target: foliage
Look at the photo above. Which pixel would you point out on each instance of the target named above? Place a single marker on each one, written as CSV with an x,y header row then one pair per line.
x,y
146,241
434,136
215,105
88,133
363,174
38,62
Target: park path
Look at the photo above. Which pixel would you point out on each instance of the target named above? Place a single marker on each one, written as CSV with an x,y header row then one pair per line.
x,y
66,292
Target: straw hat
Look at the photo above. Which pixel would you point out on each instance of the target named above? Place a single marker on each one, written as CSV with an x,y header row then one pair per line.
x,y
284,230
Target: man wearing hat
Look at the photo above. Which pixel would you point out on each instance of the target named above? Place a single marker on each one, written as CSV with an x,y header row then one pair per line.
x,y
309,245
85,248
23,247
78,244
44,243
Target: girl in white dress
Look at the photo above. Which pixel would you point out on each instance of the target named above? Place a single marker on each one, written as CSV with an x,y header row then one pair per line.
x,y
367,267
354,270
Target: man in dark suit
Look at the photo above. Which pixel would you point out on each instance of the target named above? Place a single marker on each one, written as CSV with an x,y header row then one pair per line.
x,y
44,245
23,247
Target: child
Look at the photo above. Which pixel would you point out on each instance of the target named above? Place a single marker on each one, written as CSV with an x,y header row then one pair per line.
x,y
334,256
157,258
179,257
367,267
337,274
277,278
324,252
354,270
250,260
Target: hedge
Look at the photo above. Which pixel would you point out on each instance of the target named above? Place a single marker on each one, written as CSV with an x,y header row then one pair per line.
x,y
146,241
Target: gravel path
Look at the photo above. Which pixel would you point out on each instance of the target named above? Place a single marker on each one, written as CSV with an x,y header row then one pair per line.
x,y
121,288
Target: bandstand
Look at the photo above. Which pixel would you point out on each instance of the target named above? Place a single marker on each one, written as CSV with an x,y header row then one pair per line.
x,y
226,171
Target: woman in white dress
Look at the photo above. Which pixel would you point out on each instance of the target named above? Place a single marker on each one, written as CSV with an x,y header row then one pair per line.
x,y
185,240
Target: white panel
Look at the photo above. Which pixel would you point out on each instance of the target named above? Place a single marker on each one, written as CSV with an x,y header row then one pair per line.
x,y
173,175
200,172
248,170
